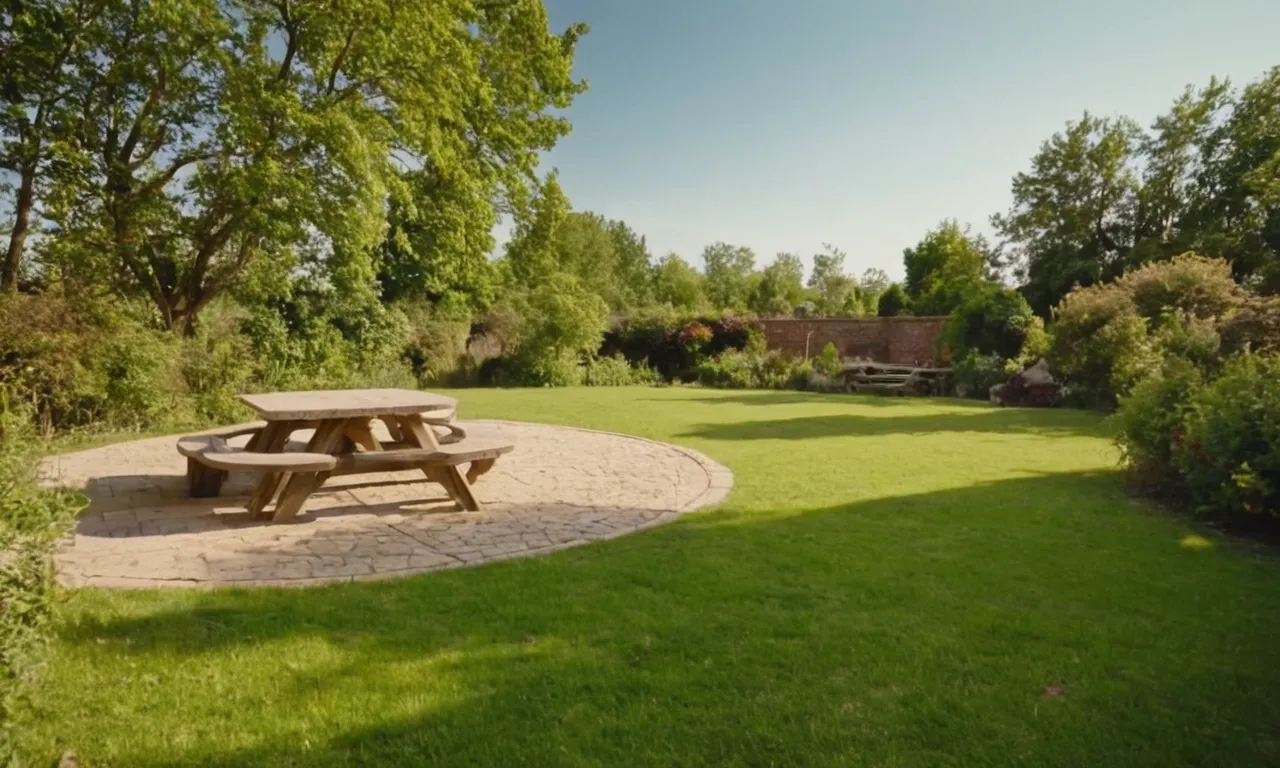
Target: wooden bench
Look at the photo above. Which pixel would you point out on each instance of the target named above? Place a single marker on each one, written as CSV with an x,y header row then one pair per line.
x,y
204,481
432,462
210,458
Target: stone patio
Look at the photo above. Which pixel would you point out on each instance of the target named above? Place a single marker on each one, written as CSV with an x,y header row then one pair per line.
x,y
562,487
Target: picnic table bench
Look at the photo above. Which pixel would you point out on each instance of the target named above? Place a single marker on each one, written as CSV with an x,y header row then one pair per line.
x,y
891,378
342,443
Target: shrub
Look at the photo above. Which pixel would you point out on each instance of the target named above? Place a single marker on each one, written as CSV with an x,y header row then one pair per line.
x,y
993,321
1107,337
218,364
730,370
1100,343
436,349
756,370
81,362
893,302
975,374
828,363
1229,452
613,371
1149,423
1188,284
676,346
1254,327
31,522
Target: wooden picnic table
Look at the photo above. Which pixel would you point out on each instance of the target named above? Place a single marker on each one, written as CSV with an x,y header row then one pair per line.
x,y
343,443
340,416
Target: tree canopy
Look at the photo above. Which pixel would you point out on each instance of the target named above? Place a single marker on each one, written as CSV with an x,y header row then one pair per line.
x,y
193,137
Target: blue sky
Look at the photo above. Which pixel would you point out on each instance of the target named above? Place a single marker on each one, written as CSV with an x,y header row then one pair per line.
x,y
782,125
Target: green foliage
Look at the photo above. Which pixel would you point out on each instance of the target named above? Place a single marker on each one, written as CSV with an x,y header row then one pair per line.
x,y
1229,450
729,275
607,257
893,302
780,288
673,345
1107,337
945,268
1103,196
531,253
828,362
228,133
834,292
615,371
562,317
975,373
678,285
1255,327
1067,225
437,346
438,242
992,321
32,520
1149,423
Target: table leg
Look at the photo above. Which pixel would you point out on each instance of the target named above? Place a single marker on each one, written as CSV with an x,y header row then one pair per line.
x,y
454,482
272,439
361,434
300,485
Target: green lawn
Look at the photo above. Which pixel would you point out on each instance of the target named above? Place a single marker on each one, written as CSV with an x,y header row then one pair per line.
x,y
892,582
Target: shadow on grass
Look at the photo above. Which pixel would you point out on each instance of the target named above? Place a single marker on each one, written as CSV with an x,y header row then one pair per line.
x,y
791,397
921,628
997,420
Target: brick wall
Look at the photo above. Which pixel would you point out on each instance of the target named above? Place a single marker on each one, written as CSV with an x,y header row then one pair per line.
x,y
907,340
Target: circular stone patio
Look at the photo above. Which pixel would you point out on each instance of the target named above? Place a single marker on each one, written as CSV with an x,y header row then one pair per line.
x,y
560,488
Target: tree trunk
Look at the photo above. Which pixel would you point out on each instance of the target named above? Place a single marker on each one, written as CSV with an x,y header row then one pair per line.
x,y
21,224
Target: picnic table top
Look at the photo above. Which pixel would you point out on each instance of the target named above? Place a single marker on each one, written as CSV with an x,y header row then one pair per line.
x,y
344,403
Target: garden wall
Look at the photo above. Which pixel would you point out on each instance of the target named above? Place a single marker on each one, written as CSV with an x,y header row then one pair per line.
x,y
906,340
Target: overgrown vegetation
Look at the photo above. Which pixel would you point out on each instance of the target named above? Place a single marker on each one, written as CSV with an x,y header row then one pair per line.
x,y
31,522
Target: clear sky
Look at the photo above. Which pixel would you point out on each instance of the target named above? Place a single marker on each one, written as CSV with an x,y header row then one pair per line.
x,y
783,124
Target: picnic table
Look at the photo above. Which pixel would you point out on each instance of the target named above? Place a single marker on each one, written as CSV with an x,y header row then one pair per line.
x,y
343,442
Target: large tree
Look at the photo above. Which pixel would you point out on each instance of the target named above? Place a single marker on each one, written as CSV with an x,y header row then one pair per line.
x,y
835,293
45,49
947,266
678,284
780,288
222,131
1233,206
729,271
439,240
607,256
1071,219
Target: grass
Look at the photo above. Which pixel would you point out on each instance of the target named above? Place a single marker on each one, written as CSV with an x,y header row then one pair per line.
x,y
892,582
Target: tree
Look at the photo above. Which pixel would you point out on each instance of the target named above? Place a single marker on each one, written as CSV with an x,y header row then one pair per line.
x,y
893,302
781,287
993,321
728,270
874,281
607,256
531,254
222,132
438,242
1071,219
678,284
45,55
833,288
1233,208
867,297
634,265
945,268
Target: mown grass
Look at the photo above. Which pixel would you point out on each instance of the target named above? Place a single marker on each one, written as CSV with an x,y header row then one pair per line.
x,y
907,583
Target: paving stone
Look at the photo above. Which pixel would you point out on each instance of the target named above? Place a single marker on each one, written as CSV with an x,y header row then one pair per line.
x,y
561,487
